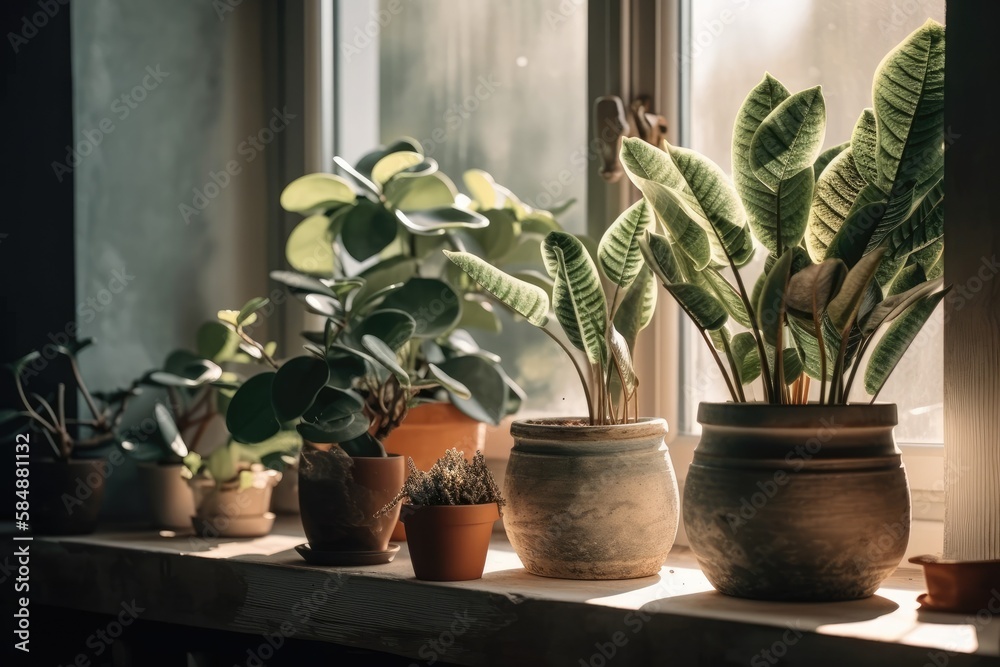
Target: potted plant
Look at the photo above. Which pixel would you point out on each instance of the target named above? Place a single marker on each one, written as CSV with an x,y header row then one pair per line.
x,y
450,511
386,230
579,488
799,495
345,396
63,494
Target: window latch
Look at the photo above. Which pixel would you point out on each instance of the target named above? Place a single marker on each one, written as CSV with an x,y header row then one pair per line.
x,y
612,123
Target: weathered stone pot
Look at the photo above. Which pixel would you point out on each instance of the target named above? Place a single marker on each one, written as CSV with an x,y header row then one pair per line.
x,y
429,431
590,502
802,502
171,500
65,496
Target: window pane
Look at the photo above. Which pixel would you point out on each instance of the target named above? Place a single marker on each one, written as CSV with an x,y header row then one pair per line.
x,y
803,43
495,86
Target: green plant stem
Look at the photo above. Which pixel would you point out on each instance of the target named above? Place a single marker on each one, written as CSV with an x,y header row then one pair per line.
x,y
61,405
579,372
857,364
837,390
732,366
264,355
718,360
765,379
822,354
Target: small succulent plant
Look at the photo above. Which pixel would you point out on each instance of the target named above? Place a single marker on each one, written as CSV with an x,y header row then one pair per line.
x,y
453,480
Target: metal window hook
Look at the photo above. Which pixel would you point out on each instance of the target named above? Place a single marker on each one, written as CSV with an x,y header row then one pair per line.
x,y
612,123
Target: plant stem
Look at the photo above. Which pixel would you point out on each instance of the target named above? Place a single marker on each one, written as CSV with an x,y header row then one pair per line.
x,y
732,366
857,364
822,355
715,354
27,406
765,379
83,390
579,372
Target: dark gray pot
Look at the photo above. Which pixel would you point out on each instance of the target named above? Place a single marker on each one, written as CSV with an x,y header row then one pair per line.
x,y
802,502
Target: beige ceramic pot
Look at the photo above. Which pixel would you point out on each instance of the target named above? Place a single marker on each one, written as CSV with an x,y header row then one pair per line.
x,y
171,500
590,502
225,510
797,502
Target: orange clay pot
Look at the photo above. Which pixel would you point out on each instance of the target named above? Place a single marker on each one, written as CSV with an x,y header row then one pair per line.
x,y
449,542
429,431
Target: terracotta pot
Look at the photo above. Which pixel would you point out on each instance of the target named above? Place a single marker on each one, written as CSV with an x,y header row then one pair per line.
x,y
967,587
428,432
171,501
449,542
65,496
339,496
802,502
225,510
591,502
285,499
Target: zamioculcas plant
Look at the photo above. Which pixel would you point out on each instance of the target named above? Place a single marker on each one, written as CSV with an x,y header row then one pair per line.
x,y
602,326
853,234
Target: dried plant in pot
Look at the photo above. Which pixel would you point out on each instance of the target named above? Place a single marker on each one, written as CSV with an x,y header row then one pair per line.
x,y
590,497
449,512
802,495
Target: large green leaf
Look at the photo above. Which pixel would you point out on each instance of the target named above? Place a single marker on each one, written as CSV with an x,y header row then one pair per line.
x,y
314,193
525,299
908,94
793,196
618,251
296,385
393,327
895,304
727,294
660,259
770,309
332,404
837,189
577,296
826,157
335,431
432,303
621,357
811,289
384,275
386,356
482,188
250,417
790,138
453,386
745,357
637,307
393,164
298,282
486,384
897,338
368,161
844,308
309,248
420,192
924,226
654,173
216,341
703,307
499,237
864,146
367,230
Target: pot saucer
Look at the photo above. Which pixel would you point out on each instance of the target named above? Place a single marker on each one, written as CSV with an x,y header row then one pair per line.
x,y
314,557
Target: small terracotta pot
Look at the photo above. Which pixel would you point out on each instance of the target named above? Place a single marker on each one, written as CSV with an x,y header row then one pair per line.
x,y
171,501
966,587
285,499
339,496
225,510
449,542
428,432
66,496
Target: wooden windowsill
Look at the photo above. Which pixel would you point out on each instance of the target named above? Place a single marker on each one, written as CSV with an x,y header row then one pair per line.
x,y
261,586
